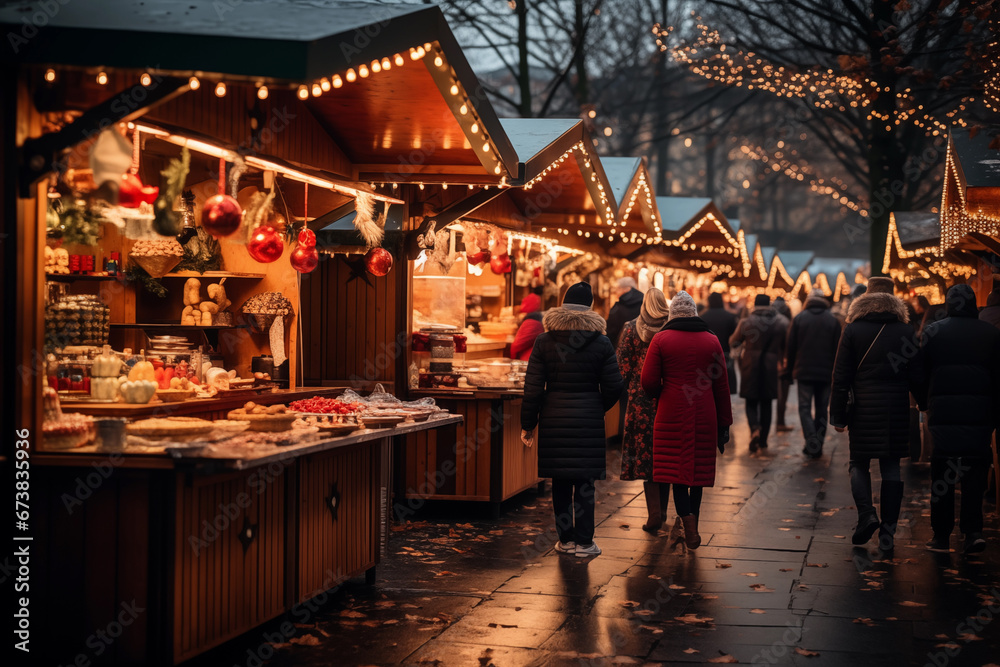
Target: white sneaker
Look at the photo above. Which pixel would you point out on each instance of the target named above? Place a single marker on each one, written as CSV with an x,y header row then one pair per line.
x,y
592,550
566,547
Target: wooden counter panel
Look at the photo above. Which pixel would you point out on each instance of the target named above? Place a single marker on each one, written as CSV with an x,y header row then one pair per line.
x,y
330,549
520,463
222,589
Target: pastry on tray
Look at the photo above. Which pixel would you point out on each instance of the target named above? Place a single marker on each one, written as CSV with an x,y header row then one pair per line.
x,y
162,427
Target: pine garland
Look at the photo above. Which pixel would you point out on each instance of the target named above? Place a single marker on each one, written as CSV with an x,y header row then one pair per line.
x,y
136,274
201,253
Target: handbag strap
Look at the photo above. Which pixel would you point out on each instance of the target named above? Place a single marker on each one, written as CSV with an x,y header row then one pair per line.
x,y
869,348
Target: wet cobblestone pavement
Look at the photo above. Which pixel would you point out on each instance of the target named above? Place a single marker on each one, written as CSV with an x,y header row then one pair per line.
x,y
775,582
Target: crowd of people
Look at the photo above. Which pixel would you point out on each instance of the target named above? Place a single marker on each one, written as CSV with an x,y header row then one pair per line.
x,y
885,371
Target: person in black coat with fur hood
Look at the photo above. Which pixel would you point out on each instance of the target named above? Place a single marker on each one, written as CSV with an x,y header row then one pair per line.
x,y
878,363
571,381
961,392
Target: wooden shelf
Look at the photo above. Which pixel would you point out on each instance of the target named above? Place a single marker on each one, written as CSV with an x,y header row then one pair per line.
x,y
74,277
215,274
172,325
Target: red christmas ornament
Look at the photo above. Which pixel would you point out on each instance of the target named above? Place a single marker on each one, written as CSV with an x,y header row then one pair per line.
x,y
500,264
304,259
266,244
307,237
479,257
378,261
132,192
221,216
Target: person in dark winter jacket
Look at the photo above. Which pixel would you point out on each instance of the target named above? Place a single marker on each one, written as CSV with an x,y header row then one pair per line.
x,y
812,347
684,371
762,334
723,325
784,379
877,362
961,392
627,309
571,381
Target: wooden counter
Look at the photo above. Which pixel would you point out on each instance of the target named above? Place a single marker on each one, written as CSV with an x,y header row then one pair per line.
x,y
481,460
207,408
207,548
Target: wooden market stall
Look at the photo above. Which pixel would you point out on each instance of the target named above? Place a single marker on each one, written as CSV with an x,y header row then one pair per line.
x,y
788,275
211,533
836,276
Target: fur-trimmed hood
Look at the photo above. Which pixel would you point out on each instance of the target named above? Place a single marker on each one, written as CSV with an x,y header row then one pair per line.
x,y
564,319
870,303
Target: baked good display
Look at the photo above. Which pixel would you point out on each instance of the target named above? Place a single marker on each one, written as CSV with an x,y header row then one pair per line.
x,y
166,427
268,418
63,431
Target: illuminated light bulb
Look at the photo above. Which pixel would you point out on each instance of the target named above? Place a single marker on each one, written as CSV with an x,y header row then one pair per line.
x,y
399,60
262,93
50,75
337,82
464,109
386,64
317,90
194,83
220,89
145,79
102,78
475,128
421,186
376,66
324,83
363,71
413,55
496,170
438,61
592,114
303,93
454,89
486,147
608,131
351,75
444,186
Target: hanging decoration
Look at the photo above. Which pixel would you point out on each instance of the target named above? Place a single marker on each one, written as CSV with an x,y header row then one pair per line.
x,y
500,262
132,193
477,241
166,221
221,215
110,158
266,244
378,261
305,258
201,253
370,226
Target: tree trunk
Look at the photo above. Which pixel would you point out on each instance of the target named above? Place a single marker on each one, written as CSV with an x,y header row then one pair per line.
x,y
662,186
580,59
523,69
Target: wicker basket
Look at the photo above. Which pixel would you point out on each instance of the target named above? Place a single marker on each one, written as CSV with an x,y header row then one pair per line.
x,y
156,266
175,395
267,423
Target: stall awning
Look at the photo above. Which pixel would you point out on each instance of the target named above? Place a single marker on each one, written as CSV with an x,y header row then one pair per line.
x,y
630,186
911,234
971,198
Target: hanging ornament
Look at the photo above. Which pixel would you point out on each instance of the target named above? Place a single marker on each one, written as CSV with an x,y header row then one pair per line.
x,y
221,216
378,261
307,237
266,245
132,192
500,264
304,258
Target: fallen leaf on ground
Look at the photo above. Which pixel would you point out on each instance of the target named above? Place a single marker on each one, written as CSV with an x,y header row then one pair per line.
x,y
785,529
691,651
941,636
951,571
501,625
279,645
840,537
481,538
305,640
464,525
643,612
970,637
865,621
624,526
655,631
748,574
496,532
785,569
803,587
706,596
803,505
828,513
655,576
724,658
911,603
526,543
757,611
891,618
391,621
444,573
819,479
787,520
694,619
350,613
723,566
630,604
808,654
676,587
949,645
817,565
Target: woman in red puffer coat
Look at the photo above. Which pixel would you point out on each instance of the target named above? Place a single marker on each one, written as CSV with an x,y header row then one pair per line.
x,y
686,370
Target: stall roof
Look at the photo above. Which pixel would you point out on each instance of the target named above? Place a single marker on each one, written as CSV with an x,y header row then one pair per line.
x,y
402,110
630,186
538,142
622,172
677,212
735,224
979,156
916,227
795,261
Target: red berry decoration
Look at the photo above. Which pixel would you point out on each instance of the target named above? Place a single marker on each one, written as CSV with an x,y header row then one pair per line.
x,y
500,264
307,237
221,216
266,244
378,261
304,259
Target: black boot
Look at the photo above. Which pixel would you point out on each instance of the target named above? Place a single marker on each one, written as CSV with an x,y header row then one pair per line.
x,y
892,500
651,490
861,489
